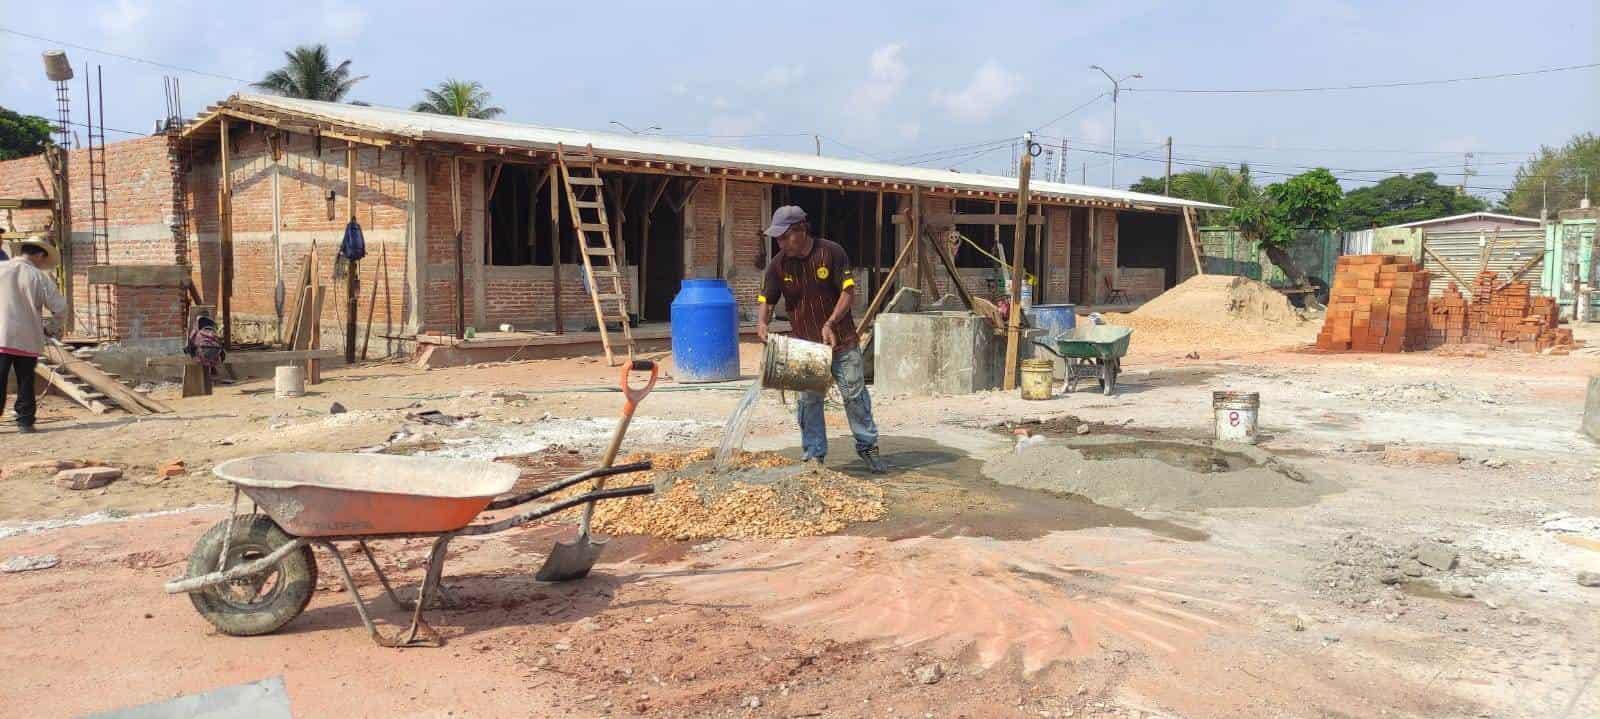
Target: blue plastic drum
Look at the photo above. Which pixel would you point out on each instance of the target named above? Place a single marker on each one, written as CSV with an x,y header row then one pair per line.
x,y
705,332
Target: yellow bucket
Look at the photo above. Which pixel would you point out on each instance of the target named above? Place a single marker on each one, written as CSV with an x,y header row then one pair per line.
x,y
1038,378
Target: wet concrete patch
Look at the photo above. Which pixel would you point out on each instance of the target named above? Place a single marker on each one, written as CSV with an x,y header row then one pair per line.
x,y
1136,473
934,490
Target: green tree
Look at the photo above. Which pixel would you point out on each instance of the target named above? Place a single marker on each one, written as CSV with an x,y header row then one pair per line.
x,y
1403,198
1308,201
460,98
1556,178
22,135
1217,185
309,74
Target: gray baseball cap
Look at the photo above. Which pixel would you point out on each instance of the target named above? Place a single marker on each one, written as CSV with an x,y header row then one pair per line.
x,y
783,218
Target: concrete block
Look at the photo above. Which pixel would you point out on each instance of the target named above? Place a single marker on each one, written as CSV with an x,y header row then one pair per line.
x,y
1437,556
88,477
939,353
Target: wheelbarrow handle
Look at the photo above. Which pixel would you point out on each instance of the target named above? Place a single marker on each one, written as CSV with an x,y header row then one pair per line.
x,y
636,395
1049,349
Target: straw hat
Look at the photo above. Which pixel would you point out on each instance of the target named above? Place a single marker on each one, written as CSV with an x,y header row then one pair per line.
x,y
41,243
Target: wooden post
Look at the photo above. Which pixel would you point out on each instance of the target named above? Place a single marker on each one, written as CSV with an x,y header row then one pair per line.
x,y
1194,241
225,237
314,306
1014,325
555,248
455,212
722,225
61,223
352,279
877,242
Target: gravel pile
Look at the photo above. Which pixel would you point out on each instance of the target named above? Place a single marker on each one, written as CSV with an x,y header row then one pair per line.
x,y
763,495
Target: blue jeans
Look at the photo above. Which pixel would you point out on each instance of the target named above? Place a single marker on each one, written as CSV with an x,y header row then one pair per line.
x,y
847,373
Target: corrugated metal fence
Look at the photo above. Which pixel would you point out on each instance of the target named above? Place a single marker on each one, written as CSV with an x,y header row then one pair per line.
x,y
1463,252
1227,253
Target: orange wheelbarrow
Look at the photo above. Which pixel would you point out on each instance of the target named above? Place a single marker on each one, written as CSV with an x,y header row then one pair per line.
x,y
251,574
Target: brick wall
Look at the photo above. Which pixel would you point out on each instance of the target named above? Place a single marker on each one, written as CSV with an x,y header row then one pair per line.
x,y
1142,283
305,177
139,222
1058,228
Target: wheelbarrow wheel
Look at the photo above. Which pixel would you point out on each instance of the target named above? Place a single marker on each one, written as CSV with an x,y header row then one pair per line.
x,y
1108,376
258,604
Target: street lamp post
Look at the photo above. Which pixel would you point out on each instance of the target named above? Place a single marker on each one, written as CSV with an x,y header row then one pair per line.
x,y
636,132
1116,89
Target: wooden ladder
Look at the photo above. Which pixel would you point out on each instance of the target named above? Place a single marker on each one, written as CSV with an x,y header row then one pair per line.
x,y
580,173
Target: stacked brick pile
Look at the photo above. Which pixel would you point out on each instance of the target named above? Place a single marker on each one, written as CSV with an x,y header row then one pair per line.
x,y
1378,303
1506,317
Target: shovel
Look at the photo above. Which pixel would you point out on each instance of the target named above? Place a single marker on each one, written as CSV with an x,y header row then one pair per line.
x,y
573,560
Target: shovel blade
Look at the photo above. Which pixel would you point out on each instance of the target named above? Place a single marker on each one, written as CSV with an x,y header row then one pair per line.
x,y
571,560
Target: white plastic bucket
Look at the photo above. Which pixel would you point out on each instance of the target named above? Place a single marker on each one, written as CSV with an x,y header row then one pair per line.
x,y
1236,415
289,381
796,365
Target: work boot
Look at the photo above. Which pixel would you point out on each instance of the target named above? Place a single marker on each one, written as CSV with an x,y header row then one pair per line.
x,y
873,461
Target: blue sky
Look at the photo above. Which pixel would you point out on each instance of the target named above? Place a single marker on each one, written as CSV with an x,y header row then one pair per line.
x,y
892,80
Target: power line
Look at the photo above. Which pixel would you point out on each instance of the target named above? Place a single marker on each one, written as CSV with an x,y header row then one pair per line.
x,y
132,58
851,148
1365,86
1065,115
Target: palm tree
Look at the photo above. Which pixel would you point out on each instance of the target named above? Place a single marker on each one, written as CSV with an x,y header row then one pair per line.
x,y
460,98
309,75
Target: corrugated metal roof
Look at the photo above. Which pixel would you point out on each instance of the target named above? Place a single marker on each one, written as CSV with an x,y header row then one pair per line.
x,y
419,126
1472,215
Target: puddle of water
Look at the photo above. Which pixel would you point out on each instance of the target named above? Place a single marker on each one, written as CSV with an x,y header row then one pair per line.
x,y
1191,457
937,491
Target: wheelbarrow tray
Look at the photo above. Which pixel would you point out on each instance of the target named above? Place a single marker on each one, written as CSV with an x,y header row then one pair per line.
x,y
327,494
1102,342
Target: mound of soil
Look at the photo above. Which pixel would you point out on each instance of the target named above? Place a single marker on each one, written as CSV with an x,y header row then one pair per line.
x,y
762,495
1222,298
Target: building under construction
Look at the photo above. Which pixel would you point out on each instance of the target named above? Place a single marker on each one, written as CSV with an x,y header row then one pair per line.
x,y
469,226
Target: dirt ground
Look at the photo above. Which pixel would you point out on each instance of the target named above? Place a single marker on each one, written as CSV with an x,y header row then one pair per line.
x,y
972,598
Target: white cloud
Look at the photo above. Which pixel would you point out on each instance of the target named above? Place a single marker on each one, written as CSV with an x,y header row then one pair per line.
x,y
1095,130
886,75
123,19
728,123
342,21
991,86
910,130
781,76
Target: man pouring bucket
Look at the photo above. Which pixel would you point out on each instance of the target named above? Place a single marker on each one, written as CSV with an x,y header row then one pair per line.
x,y
812,277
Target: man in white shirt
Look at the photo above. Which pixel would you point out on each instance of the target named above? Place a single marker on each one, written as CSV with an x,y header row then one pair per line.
x,y
26,289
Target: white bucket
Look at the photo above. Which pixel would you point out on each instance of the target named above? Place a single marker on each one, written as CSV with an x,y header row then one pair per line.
x,y
1236,415
796,365
289,381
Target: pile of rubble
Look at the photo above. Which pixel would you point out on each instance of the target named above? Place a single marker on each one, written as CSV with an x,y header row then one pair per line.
x,y
1502,314
1378,303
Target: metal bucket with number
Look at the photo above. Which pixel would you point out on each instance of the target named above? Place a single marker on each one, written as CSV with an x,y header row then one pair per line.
x,y
796,365
1236,415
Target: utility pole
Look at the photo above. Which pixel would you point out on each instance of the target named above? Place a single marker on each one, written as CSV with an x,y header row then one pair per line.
x,y
1085,178
818,139
1116,91
1466,171
1061,171
1019,246
1166,187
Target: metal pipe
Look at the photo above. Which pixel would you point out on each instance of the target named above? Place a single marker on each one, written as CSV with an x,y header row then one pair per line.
x,y
178,586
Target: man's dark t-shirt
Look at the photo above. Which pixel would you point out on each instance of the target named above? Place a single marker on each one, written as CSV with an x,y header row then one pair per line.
x,y
810,286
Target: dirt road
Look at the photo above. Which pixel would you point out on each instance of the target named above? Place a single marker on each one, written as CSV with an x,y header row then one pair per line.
x,y
972,598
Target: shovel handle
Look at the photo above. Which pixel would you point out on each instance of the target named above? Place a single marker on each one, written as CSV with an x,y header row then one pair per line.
x,y
636,395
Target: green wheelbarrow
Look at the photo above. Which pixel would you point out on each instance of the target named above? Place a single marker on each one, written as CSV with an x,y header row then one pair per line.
x,y
1091,352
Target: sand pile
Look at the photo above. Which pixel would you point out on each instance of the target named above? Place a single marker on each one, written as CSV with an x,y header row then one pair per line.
x,y
1215,315
763,495
1225,299
1142,483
